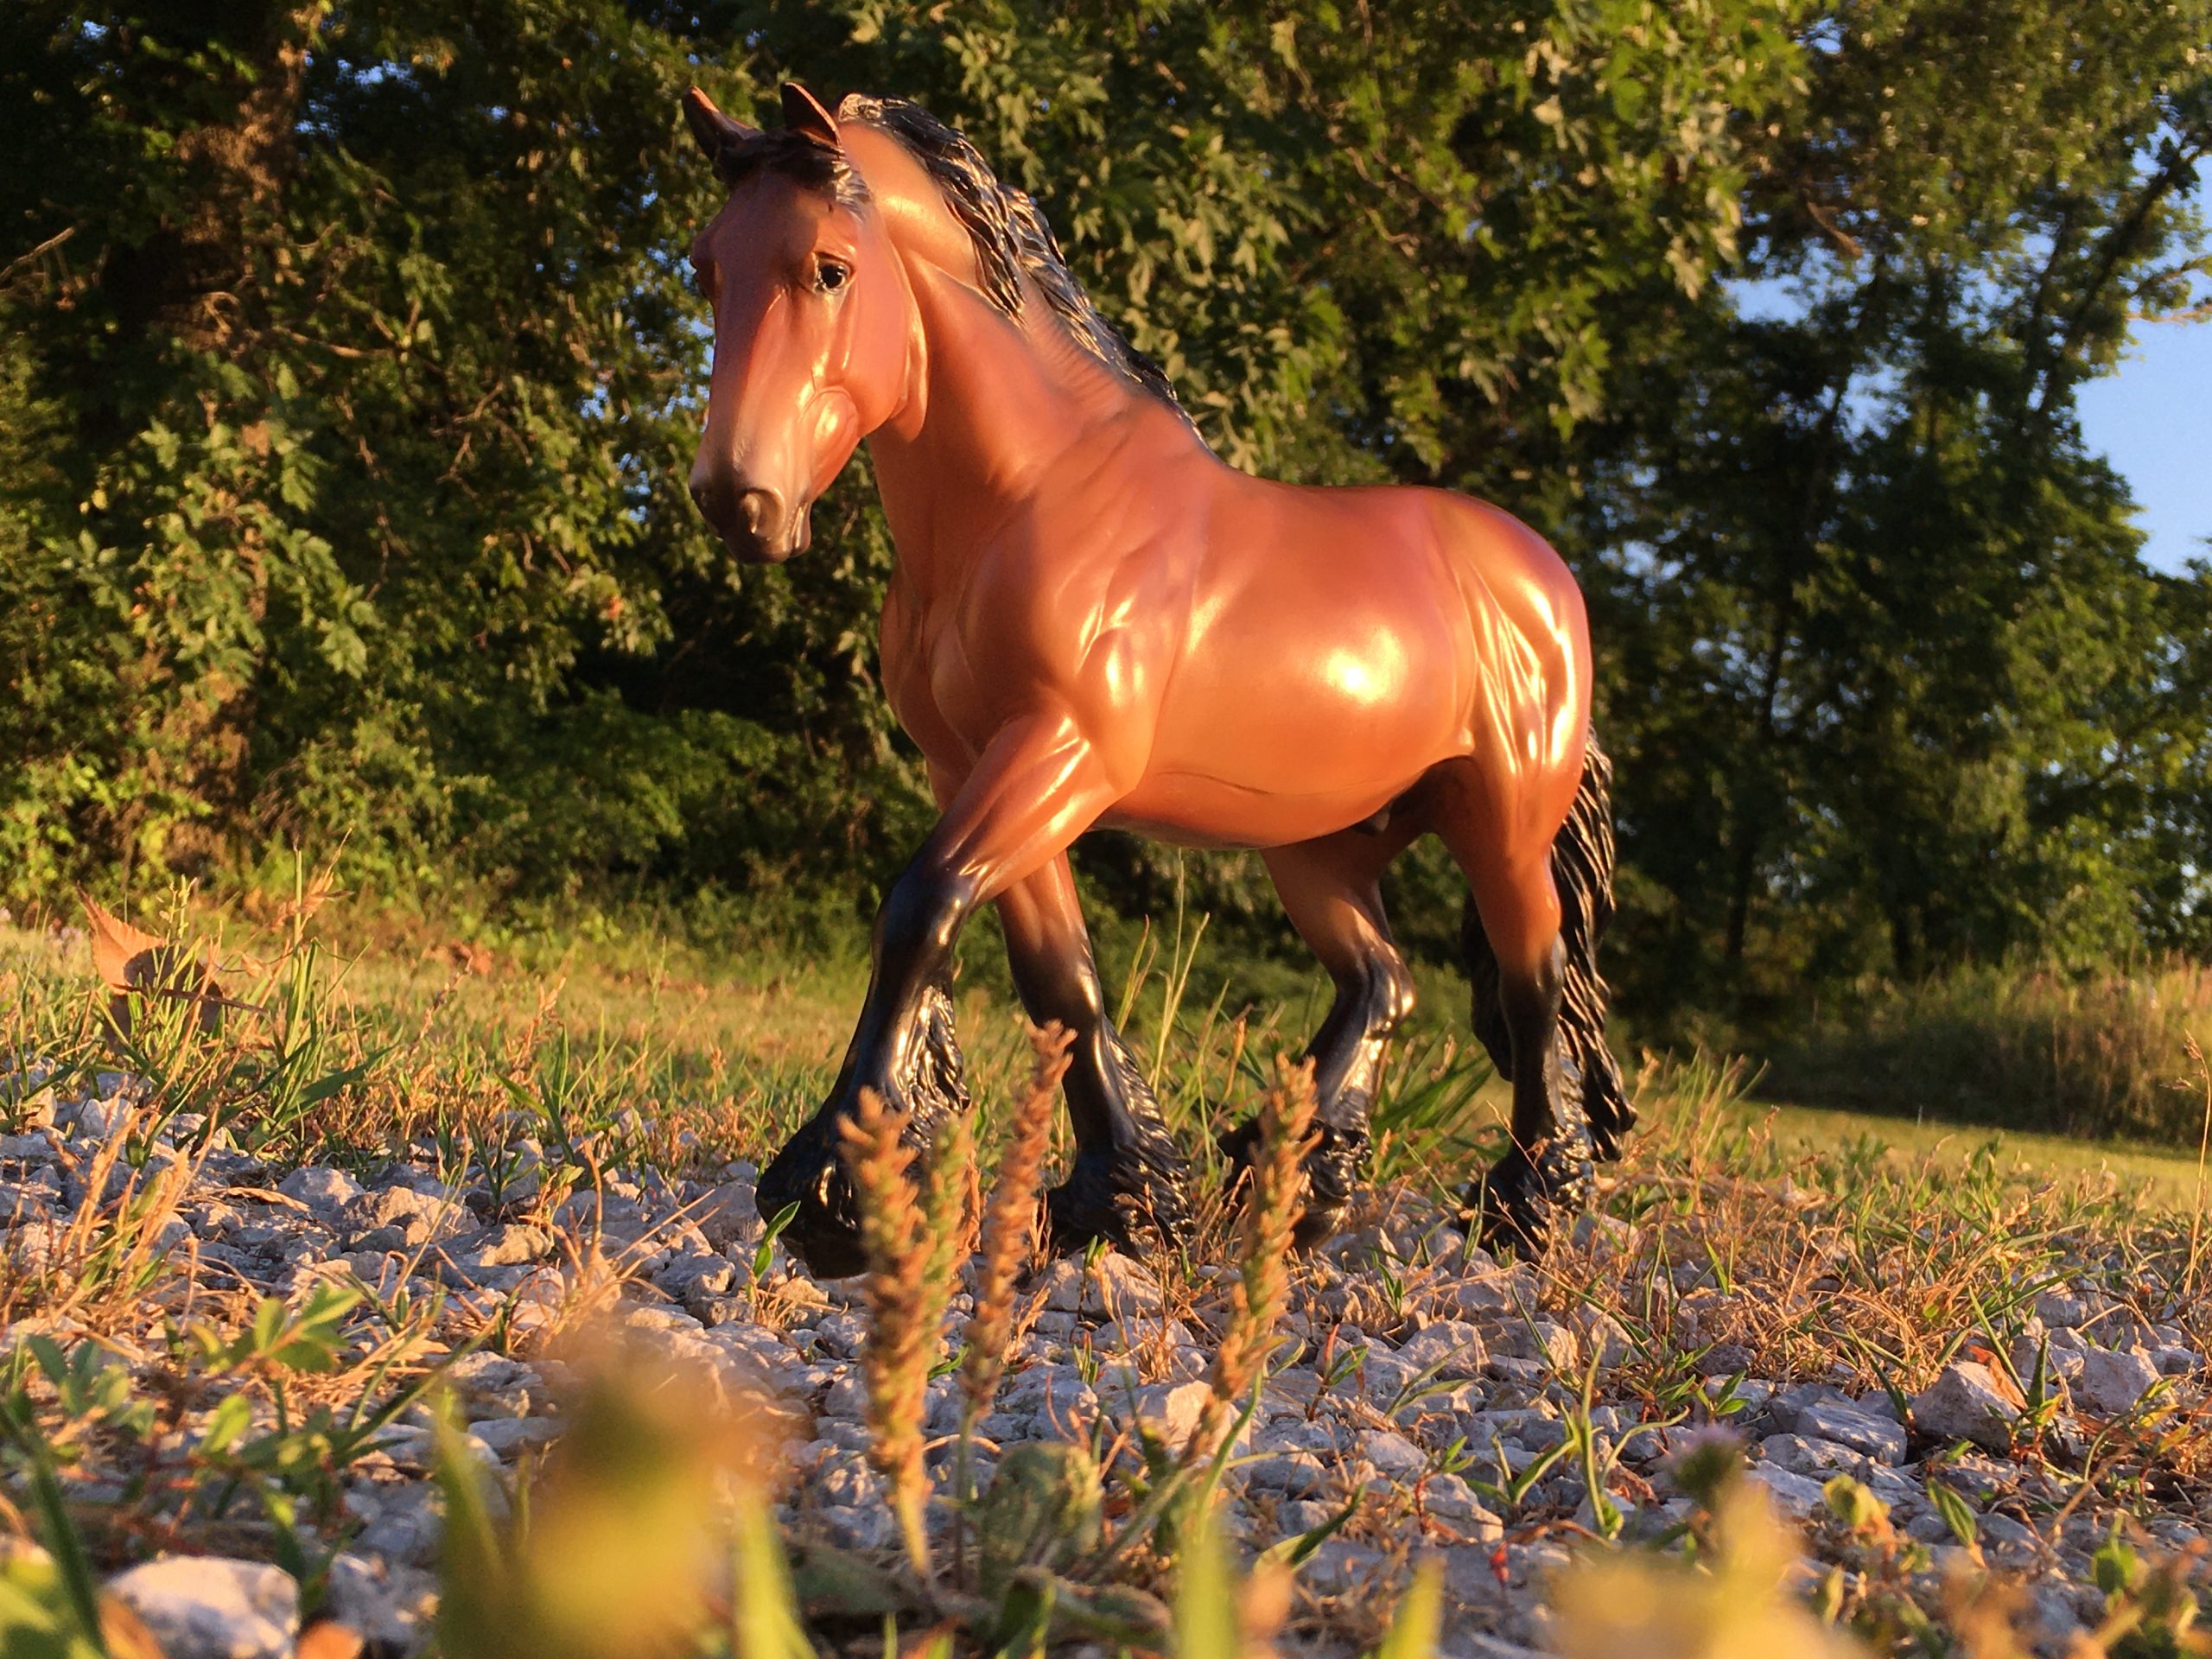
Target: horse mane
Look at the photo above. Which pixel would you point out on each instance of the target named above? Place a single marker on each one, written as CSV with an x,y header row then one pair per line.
x,y
1011,237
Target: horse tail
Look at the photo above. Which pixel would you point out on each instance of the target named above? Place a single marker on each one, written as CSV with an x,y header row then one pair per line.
x,y
1582,860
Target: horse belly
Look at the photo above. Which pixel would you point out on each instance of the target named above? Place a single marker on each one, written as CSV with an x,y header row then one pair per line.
x,y
1301,719
1193,810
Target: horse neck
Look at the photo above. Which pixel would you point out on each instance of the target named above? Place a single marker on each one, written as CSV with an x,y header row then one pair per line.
x,y
1000,400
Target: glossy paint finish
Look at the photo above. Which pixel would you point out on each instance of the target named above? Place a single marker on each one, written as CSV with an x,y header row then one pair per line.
x,y
1095,621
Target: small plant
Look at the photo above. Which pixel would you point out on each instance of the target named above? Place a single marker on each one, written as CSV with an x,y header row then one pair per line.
x,y
1008,1238
1729,1602
911,1247
2151,1610
602,1555
1256,1294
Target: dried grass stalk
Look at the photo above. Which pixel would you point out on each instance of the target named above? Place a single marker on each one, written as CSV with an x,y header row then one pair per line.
x,y
107,1257
1272,1203
1010,1224
910,1243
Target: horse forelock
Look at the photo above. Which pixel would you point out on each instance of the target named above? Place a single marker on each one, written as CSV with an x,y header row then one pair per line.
x,y
793,155
1011,236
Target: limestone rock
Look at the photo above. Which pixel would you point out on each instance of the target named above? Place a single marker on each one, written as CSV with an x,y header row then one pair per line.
x,y
1880,1438
2110,1383
1113,1287
1967,1403
389,1606
324,1191
1450,1347
729,1214
1800,1497
211,1607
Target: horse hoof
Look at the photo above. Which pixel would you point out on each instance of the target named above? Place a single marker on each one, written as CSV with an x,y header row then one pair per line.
x,y
1331,1171
809,1178
1133,1196
1521,1199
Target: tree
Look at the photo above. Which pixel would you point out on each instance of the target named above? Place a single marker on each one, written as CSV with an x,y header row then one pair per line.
x,y
347,382
1898,664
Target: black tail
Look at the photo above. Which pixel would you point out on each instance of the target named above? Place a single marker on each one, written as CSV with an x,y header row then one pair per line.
x,y
1582,868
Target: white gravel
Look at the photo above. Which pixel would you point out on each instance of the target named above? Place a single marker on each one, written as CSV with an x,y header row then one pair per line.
x,y
1472,1382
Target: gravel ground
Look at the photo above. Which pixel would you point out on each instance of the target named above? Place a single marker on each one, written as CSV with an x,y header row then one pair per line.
x,y
1427,1388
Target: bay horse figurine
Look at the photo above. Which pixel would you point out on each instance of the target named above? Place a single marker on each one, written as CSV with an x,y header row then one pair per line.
x,y
1095,621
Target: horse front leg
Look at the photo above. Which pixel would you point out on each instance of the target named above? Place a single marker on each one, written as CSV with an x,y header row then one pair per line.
x,y
1129,1181
1037,787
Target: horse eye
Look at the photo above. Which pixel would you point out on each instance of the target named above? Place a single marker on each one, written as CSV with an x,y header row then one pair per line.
x,y
832,275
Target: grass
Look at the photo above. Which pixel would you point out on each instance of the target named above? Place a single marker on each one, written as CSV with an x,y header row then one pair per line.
x,y
2096,1056
2164,1180
148,1404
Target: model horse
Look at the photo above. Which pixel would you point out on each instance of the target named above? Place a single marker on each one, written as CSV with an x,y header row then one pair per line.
x,y
1095,621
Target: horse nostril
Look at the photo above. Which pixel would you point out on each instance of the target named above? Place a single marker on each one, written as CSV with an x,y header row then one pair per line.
x,y
751,521
759,509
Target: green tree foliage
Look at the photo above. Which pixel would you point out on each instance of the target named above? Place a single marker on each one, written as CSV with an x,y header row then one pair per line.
x,y
348,380
1904,695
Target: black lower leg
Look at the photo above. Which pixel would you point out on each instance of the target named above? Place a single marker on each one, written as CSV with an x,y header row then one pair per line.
x,y
1373,999
1330,889
1127,1184
903,1050
1547,1169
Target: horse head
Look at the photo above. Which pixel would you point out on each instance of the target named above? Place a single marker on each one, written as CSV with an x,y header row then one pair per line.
x,y
813,331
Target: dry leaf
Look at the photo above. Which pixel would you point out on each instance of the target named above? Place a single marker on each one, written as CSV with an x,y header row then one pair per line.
x,y
131,961
122,954
2000,1378
468,956
123,1633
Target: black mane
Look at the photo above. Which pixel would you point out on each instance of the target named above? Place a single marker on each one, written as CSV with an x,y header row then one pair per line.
x,y
1011,237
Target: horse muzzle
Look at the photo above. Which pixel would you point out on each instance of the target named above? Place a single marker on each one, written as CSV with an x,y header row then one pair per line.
x,y
758,526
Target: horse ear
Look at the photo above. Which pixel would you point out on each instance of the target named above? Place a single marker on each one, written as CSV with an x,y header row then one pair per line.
x,y
715,132
803,114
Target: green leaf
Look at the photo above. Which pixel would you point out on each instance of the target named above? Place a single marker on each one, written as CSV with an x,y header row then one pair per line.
x,y
1205,1604
1295,1552
1420,1618
1956,1515
765,1612
226,1423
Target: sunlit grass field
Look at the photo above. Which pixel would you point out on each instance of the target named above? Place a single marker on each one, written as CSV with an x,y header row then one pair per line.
x,y
733,1049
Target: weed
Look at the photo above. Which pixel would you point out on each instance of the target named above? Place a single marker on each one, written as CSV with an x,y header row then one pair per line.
x,y
1271,1212
911,1246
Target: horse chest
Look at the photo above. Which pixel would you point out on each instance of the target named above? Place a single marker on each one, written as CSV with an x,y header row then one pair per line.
x,y
1019,633
933,686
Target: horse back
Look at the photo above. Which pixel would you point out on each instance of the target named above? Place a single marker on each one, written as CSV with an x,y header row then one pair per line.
x,y
1337,644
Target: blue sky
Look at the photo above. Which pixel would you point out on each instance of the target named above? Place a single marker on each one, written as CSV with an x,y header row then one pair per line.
x,y
2153,420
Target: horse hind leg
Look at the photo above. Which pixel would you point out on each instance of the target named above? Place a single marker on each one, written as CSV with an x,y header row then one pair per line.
x,y
1583,863
1520,978
1329,888
1547,1171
